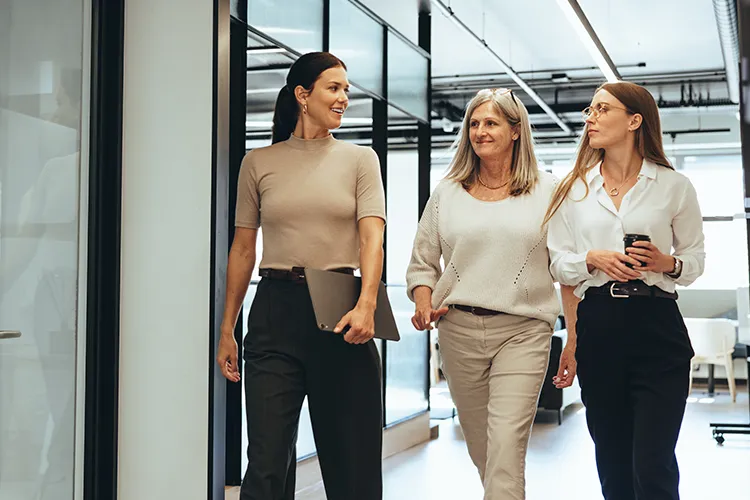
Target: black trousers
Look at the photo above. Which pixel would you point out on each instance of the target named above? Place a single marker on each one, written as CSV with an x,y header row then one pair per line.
x,y
633,367
287,358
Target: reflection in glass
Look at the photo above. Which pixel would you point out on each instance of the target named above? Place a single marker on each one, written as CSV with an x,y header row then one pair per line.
x,y
295,23
403,16
40,116
403,211
406,363
407,77
357,39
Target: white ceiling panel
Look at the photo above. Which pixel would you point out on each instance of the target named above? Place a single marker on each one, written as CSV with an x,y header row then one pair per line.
x,y
668,35
454,52
532,35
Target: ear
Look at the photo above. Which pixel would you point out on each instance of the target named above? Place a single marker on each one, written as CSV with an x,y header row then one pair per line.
x,y
301,94
635,122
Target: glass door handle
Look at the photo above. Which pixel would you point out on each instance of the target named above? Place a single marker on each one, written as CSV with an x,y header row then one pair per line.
x,y
9,334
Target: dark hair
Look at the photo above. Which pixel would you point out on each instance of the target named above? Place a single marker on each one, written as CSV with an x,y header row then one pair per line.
x,y
304,72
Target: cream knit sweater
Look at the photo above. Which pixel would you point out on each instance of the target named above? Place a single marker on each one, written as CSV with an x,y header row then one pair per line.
x,y
494,253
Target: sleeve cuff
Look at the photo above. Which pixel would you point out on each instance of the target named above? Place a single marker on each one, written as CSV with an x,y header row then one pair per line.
x,y
246,224
378,214
581,267
571,269
412,285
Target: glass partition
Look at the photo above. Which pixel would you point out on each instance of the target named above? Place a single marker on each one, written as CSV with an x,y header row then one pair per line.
x,y
406,360
407,77
297,24
41,85
357,39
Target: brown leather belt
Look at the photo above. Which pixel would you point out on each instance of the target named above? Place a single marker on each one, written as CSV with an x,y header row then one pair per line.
x,y
477,311
637,288
296,275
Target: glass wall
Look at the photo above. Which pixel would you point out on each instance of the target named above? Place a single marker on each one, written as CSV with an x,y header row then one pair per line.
x,y
41,61
358,40
406,360
407,78
298,24
402,16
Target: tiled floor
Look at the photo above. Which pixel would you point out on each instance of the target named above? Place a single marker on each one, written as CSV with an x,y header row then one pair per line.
x,y
561,463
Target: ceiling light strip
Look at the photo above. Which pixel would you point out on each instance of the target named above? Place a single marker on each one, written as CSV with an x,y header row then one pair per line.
x,y
586,33
448,12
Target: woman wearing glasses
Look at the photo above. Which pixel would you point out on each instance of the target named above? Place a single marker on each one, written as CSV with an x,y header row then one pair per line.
x,y
494,297
632,351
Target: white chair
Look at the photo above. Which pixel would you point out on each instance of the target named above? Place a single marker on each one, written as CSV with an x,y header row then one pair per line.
x,y
713,342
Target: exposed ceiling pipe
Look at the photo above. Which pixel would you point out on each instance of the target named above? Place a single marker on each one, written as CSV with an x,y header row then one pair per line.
x,y
448,12
725,12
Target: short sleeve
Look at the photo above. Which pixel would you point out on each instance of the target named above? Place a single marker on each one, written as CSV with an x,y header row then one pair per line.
x,y
370,192
247,213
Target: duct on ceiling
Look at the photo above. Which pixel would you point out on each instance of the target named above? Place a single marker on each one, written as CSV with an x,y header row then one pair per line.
x,y
725,12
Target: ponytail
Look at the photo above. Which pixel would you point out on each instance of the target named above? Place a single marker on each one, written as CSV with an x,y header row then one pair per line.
x,y
285,115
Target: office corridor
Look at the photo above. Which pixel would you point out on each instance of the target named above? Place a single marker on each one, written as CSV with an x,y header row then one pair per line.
x,y
561,462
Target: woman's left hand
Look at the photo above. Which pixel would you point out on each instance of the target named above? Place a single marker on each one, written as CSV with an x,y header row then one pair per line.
x,y
650,257
361,323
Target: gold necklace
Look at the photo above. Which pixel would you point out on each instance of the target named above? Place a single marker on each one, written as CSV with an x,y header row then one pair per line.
x,y
479,177
616,190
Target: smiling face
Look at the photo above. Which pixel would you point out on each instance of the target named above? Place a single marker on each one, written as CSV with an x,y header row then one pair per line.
x,y
490,133
328,100
609,121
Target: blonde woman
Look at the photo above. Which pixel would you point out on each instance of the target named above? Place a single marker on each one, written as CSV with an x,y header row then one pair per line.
x,y
494,300
624,229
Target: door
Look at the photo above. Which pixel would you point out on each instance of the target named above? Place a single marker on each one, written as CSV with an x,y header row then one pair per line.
x,y
41,82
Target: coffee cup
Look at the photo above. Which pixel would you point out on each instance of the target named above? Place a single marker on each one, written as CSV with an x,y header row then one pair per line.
x,y
631,238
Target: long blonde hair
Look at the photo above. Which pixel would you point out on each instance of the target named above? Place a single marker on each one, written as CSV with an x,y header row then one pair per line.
x,y
648,141
464,167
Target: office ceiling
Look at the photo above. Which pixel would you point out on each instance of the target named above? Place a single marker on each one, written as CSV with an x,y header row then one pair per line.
x,y
671,46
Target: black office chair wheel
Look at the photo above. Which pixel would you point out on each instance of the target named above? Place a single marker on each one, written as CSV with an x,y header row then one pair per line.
x,y
719,438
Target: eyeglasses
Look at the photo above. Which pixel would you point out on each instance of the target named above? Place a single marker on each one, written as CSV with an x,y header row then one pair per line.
x,y
598,110
502,91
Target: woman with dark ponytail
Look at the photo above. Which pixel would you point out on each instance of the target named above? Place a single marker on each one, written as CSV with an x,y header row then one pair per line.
x,y
321,205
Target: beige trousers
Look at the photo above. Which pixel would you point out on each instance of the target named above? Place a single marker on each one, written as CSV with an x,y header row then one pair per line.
x,y
495,366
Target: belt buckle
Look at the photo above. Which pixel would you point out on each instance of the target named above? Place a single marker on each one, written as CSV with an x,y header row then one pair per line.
x,y
615,295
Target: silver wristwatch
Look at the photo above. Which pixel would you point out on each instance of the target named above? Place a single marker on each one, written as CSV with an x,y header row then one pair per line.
x,y
677,271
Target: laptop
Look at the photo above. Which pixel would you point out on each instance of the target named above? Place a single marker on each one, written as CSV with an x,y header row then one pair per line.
x,y
335,294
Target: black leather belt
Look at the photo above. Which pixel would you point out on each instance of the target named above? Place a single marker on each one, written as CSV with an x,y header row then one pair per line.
x,y
478,311
637,288
297,274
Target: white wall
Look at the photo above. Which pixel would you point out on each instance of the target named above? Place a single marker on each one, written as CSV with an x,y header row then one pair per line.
x,y
163,435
